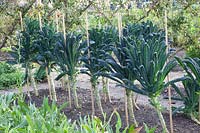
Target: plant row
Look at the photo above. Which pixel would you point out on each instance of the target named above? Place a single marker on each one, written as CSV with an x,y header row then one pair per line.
x,y
139,54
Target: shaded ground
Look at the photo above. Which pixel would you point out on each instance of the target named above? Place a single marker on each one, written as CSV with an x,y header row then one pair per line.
x,y
146,114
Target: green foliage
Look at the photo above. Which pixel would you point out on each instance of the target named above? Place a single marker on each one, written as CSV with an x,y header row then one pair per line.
x,y
10,77
189,97
67,57
101,42
40,74
149,130
191,86
91,125
45,44
22,117
193,51
24,52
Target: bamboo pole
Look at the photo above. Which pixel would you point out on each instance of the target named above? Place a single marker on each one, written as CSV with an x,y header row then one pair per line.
x,y
168,76
39,3
126,108
88,44
21,20
119,18
57,24
67,78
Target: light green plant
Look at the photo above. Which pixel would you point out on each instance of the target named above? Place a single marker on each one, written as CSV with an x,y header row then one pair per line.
x,y
10,76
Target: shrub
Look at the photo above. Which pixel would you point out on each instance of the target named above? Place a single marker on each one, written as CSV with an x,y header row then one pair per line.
x,y
22,117
193,51
9,76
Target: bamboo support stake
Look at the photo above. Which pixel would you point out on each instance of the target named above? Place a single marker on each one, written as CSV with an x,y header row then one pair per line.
x,y
64,32
39,3
119,17
126,108
168,77
21,20
57,24
67,78
88,44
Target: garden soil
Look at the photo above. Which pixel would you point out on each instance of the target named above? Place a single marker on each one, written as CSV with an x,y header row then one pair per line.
x,y
146,114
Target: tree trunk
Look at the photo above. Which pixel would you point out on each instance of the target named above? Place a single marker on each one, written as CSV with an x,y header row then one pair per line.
x,y
130,106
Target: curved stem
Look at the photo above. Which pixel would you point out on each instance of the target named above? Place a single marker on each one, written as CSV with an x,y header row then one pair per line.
x,y
97,95
69,91
34,83
108,90
49,83
130,106
157,106
126,108
92,97
53,89
73,87
135,106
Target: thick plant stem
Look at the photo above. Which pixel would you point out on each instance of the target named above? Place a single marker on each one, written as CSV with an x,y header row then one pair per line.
x,y
28,83
49,83
157,106
108,90
53,89
92,98
162,121
126,108
34,83
104,89
135,106
69,91
105,83
130,106
97,95
73,87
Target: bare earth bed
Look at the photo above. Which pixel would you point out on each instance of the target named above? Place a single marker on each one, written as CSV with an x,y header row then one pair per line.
x,y
146,114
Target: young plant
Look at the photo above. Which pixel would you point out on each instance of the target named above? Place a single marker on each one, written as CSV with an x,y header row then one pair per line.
x,y
67,57
45,44
192,86
147,61
93,59
10,77
118,71
25,51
